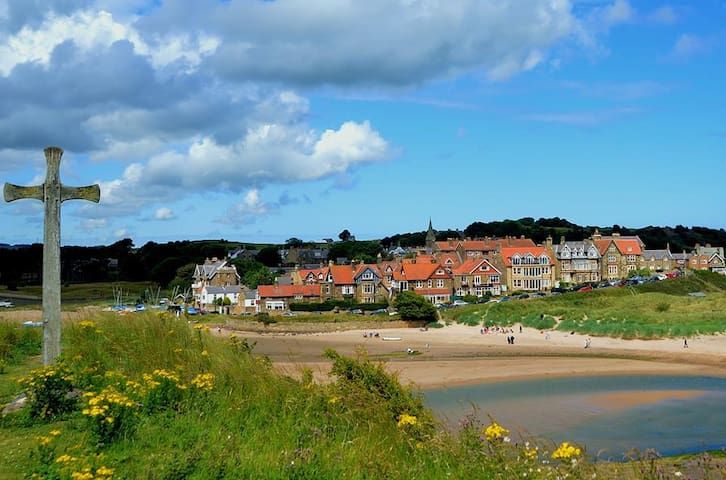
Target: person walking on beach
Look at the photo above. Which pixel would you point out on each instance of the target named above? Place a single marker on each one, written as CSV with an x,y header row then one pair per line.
x,y
685,343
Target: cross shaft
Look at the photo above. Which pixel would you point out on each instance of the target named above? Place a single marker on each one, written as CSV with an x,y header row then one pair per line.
x,y
52,193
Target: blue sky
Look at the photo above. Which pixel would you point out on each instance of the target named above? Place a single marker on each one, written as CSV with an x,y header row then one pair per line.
x,y
260,121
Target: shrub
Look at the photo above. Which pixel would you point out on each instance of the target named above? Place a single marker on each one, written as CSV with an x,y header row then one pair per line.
x,y
49,391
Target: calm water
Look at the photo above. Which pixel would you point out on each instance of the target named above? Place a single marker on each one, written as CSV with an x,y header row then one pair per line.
x,y
572,409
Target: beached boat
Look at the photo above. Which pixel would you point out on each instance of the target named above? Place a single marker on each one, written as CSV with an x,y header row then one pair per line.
x,y
391,339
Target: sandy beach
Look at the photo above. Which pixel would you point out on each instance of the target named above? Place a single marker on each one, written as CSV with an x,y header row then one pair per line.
x,y
460,355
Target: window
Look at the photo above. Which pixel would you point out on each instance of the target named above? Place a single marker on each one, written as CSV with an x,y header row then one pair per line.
x,y
419,284
298,296
494,279
368,275
430,283
631,258
348,290
369,288
612,270
404,286
477,279
612,258
544,260
440,283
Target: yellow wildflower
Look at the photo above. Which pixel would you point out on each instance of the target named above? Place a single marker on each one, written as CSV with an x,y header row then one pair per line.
x,y
203,381
334,400
495,432
104,471
44,440
87,324
406,419
55,433
63,458
566,451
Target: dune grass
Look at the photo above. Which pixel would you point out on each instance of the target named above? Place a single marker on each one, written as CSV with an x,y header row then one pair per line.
x,y
652,310
151,396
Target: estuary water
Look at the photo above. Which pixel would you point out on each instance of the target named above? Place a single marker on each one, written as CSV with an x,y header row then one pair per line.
x,y
608,415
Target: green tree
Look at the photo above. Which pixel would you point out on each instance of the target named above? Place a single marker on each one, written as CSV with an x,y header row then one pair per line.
x,y
344,236
412,306
269,256
294,242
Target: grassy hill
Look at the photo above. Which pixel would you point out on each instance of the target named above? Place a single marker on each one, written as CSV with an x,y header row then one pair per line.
x,y
651,310
152,397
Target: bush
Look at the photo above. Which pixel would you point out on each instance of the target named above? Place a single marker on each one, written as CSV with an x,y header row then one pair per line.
x,y
49,391
414,307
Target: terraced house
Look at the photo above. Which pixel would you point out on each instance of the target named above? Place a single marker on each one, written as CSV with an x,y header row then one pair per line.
x,y
526,268
576,262
477,277
427,279
620,255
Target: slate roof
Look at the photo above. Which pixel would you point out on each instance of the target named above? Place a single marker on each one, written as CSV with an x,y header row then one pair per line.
x,y
508,253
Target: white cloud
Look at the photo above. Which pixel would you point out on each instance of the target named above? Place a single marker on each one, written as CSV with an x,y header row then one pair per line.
x,y
619,12
92,30
688,45
120,233
665,15
248,210
94,223
164,213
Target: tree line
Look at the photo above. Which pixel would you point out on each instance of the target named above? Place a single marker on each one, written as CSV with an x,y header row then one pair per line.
x,y
172,263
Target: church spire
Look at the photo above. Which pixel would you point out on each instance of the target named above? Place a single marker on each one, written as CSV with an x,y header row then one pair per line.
x,y
430,238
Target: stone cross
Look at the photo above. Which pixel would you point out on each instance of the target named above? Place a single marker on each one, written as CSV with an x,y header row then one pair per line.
x,y
52,193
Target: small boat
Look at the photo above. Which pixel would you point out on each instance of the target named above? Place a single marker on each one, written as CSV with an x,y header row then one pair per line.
x,y
392,339
6,304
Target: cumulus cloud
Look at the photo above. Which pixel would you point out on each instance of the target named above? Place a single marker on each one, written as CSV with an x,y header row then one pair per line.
x,y
164,213
204,96
688,45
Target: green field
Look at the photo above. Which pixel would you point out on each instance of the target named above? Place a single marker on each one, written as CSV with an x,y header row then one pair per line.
x,y
156,398
651,310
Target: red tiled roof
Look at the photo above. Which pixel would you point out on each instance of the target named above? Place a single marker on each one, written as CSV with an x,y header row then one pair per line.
x,y
288,291
628,247
508,253
342,274
471,267
602,245
416,271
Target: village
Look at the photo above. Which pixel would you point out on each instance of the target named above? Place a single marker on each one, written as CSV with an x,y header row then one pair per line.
x,y
446,272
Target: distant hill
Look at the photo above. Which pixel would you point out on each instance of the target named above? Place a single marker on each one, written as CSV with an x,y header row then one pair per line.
x,y
678,238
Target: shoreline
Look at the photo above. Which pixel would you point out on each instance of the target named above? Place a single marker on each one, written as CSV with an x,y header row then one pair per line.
x,y
460,355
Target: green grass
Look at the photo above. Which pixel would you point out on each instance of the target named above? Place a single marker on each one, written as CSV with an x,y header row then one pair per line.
x,y
253,423
652,310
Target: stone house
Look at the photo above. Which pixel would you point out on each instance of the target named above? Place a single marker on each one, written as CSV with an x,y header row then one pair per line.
x,y
476,277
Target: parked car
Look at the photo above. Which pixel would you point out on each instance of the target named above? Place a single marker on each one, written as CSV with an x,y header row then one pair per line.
x,y
459,303
380,311
357,311
586,288
288,313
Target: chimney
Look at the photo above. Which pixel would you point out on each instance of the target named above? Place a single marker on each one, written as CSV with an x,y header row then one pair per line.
x,y
330,263
548,241
596,235
562,240
616,234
